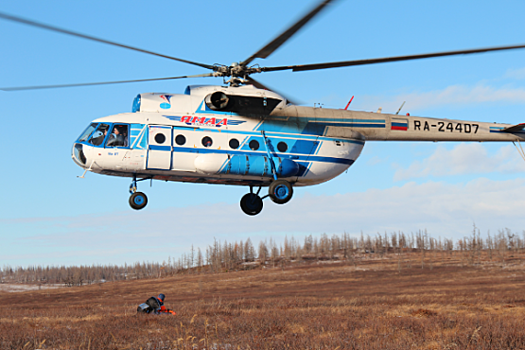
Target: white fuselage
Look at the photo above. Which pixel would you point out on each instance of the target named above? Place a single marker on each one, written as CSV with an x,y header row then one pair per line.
x,y
185,141
256,138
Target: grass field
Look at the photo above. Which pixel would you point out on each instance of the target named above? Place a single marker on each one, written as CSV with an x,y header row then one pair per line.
x,y
378,304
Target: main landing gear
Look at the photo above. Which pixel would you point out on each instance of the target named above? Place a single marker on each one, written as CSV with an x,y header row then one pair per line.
x,y
251,203
137,200
280,192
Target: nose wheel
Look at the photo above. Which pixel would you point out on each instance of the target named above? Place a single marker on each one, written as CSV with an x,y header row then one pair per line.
x,y
137,200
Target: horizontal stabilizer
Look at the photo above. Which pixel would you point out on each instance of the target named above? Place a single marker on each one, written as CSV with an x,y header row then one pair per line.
x,y
515,128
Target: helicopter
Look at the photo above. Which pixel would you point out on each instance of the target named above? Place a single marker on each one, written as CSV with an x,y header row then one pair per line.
x,y
246,134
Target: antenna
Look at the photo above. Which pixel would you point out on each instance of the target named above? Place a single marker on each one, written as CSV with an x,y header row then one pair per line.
x,y
348,104
399,110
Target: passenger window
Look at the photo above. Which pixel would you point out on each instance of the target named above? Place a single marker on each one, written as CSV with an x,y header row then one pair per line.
x,y
234,143
98,136
160,138
254,145
282,146
180,140
207,141
118,136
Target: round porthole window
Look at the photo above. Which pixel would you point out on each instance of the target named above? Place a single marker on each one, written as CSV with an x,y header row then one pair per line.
x,y
160,138
207,141
180,140
254,145
234,143
282,146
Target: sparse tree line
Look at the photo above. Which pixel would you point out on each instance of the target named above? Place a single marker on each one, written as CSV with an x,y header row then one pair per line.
x,y
225,256
78,275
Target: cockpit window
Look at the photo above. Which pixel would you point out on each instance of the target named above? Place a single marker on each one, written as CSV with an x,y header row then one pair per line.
x,y
118,136
87,132
98,136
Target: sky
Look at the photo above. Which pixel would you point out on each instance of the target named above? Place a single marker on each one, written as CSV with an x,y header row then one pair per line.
x,y
48,216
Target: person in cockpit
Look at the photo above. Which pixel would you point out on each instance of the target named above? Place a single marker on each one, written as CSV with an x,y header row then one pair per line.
x,y
98,136
117,138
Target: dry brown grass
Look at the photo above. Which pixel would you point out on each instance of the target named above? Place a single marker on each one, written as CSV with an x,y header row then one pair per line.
x,y
316,306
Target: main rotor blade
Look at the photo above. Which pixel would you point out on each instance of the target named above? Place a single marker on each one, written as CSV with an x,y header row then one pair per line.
x,y
260,85
69,32
281,39
39,87
305,67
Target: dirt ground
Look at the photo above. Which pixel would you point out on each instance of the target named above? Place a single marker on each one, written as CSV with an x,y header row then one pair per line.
x,y
378,304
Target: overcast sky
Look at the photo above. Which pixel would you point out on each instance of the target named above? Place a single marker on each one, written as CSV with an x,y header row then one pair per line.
x,y
49,216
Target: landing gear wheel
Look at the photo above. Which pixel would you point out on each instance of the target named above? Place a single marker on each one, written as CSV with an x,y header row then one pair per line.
x,y
251,204
280,191
138,200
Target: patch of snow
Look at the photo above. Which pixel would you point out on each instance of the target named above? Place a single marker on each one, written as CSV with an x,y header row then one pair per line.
x,y
14,288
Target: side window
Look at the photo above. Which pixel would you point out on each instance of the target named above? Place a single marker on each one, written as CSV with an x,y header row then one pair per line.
x,y
282,146
234,143
180,140
98,136
118,137
207,141
254,145
160,138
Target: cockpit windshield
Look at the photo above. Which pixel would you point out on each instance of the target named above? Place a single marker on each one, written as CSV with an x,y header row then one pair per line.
x,y
87,132
110,135
98,136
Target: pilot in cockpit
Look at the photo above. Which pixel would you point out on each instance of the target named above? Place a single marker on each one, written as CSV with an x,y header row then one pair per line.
x,y
98,136
118,137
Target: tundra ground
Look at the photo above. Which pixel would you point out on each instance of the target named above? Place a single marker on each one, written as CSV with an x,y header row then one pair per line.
x,y
379,303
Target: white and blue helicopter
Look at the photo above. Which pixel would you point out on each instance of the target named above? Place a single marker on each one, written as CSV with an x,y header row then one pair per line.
x,y
244,134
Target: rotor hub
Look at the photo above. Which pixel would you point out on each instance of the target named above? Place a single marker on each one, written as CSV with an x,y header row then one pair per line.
x,y
237,72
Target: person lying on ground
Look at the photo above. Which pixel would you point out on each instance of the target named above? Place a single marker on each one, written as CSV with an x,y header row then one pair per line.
x,y
155,305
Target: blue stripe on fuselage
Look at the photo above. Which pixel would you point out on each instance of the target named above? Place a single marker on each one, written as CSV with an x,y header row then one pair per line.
x,y
262,154
159,148
317,127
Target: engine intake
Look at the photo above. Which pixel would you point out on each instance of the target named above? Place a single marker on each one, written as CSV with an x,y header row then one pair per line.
x,y
257,105
218,101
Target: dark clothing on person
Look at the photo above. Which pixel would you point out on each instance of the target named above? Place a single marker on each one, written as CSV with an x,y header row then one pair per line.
x,y
154,305
116,140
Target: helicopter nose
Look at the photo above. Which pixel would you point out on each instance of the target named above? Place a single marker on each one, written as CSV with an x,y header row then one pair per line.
x,y
77,153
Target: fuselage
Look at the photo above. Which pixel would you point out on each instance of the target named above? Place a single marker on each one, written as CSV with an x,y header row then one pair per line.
x,y
178,138
249,136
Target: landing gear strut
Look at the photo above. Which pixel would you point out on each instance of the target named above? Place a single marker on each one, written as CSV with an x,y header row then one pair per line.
x,y
137,200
